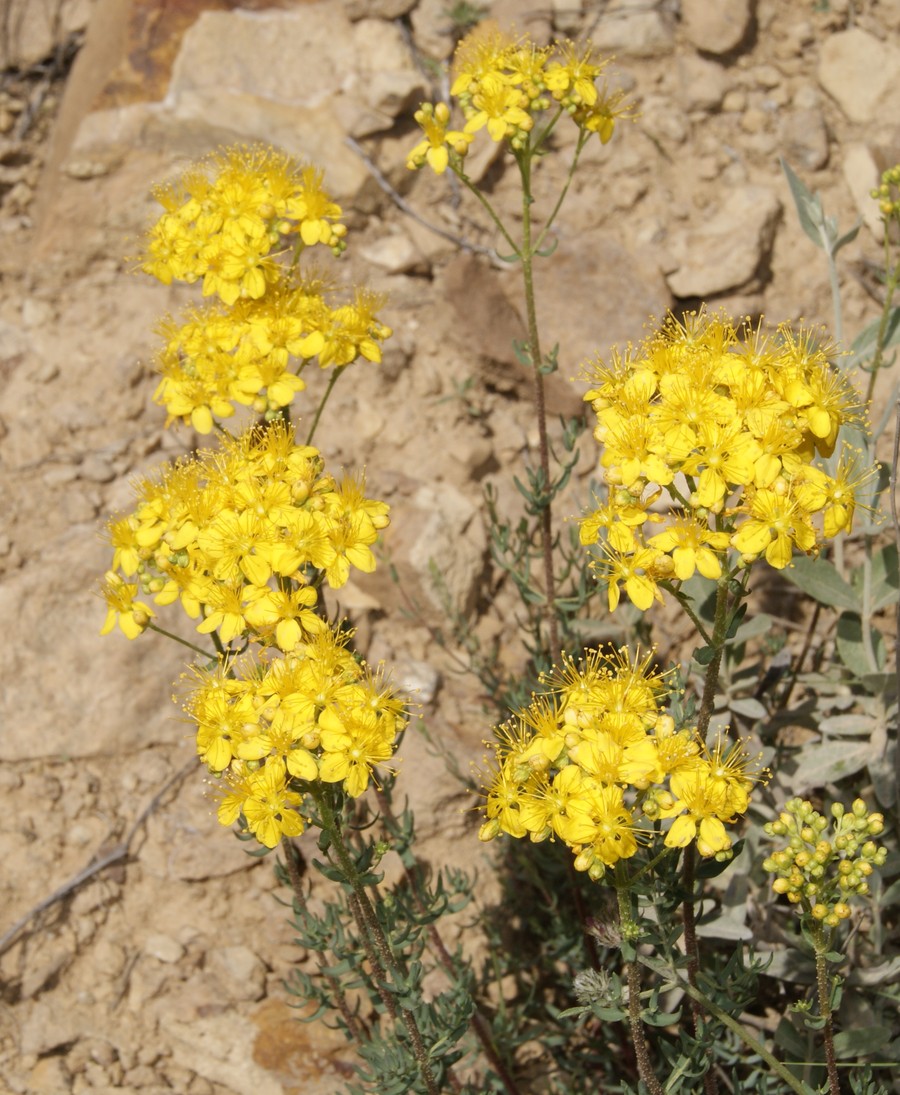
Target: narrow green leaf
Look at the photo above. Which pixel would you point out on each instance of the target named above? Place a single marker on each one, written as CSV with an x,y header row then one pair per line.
x,y
736,621
885,577
864,343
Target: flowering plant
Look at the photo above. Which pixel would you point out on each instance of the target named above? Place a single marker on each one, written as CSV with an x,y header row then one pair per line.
x,y
725,452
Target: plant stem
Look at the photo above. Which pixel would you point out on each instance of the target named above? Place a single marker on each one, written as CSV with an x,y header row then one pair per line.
x,y
178,639
692,950
480,1024
892,488
633,975
824,993
890,287
332,380
373,937
537,365
746,1037
711,678
688,910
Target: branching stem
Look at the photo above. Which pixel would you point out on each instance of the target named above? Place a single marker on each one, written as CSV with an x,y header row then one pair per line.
x,y
374,940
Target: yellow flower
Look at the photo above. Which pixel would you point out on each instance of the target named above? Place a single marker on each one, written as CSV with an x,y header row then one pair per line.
x,y
710,793
601,823
499,107
639,570
439,140
693,546
270,807
353,742
571,79
776,523
224,721
544,805
133,617
286,613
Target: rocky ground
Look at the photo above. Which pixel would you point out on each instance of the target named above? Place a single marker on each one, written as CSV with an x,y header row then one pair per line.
x,y
163,971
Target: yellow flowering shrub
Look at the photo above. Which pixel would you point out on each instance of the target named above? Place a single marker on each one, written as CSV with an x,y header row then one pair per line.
x,y
714,444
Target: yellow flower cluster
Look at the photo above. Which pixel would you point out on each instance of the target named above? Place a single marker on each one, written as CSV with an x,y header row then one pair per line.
x,y
596,762
502,84
819,874
710,439
218,357
242,537
223,230
314,714
226,231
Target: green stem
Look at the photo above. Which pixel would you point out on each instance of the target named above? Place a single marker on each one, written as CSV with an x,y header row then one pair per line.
x,y
491,212
371,929
582,141
746,1037
692,950
686,606
835,291
866,607
824,993
184,642
880,339
711,679
479,1022
332,380
537,363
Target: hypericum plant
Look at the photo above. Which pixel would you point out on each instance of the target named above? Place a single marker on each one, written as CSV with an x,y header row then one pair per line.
x,y
726,453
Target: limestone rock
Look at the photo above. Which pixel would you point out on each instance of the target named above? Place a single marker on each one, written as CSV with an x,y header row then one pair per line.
x,y
729,250
377,9
240,971
804,138
703,83
861,74
32,30
634,28
626,288
395,253
217,1048
716,28
437,544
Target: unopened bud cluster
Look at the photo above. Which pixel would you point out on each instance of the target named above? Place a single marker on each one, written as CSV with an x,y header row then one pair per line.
x,y
819,871
888,193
